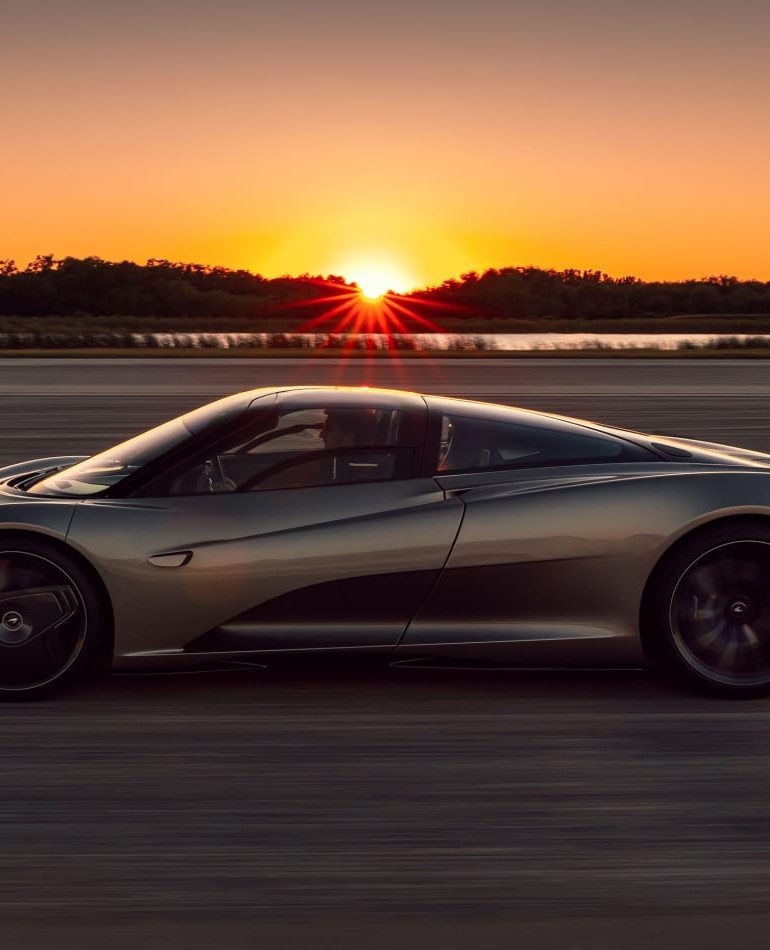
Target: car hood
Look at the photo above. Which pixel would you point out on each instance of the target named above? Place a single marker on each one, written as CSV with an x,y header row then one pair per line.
x,y
38,466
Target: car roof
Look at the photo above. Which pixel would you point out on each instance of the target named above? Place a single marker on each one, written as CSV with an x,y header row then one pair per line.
x,y
444,403
351,394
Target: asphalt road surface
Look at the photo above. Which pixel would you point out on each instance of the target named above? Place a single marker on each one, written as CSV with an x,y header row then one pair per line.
x,y
357,807
74,406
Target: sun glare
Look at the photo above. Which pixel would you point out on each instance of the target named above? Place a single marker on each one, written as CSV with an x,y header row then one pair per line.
x,y
372,289
377,298
376,280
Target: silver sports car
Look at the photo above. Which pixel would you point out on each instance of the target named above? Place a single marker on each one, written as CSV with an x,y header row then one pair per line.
x,y
425,529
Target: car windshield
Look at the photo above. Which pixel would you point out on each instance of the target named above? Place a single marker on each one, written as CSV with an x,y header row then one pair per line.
x,y
100,472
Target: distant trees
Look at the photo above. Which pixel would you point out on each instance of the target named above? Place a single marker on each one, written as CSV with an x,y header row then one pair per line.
x,y
160,290
530,292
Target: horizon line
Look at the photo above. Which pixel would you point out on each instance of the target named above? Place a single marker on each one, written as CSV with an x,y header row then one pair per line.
x,y
340,278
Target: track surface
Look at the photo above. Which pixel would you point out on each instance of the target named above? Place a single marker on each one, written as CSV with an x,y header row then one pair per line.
x,y
70,406
351,807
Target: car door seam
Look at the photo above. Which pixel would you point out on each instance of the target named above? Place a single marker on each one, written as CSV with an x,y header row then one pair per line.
x,y
439,573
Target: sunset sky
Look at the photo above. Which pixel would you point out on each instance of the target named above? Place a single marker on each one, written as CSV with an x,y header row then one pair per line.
x,y
421,137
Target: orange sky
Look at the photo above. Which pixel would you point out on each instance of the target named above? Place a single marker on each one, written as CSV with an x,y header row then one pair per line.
x,y
428,137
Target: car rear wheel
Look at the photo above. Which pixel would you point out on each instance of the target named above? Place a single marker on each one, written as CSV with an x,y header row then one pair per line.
x,y
50,619
708,614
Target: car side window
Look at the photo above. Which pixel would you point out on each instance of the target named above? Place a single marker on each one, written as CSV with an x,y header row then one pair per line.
x,y
469,443
301,448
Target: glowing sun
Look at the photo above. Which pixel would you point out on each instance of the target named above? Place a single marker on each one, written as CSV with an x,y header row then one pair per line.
x,y
375,280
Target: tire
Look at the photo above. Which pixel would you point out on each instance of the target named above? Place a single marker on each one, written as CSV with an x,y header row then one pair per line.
x,y
706,618
52,619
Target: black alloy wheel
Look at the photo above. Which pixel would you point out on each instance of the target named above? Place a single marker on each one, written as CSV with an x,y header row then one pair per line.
x,y
708,618
50,619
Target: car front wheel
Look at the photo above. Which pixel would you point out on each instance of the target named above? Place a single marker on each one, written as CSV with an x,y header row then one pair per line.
x,y
51,619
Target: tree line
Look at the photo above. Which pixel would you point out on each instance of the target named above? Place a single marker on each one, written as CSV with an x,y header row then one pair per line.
x,y
162,289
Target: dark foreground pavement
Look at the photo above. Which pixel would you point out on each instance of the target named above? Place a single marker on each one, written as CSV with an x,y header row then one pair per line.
x,y
353,807
358,807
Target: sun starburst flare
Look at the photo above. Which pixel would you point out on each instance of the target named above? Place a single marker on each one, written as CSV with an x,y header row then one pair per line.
x,y
377,281
355,310
372,309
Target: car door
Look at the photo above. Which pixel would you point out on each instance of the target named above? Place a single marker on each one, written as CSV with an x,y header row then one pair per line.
x,y
526,581
310,529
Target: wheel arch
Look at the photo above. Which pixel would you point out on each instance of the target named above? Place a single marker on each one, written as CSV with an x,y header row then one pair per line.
x,y
706,528
106,646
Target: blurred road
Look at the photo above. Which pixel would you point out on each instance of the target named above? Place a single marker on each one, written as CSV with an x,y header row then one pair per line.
x,y
353,807
77,406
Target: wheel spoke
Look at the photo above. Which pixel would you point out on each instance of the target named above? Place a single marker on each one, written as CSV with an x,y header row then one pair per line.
x,y
751,638
703,609
704,614
728,654
705,580
711,636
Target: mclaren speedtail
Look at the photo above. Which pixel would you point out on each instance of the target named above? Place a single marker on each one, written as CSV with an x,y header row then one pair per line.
x,y
424,529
